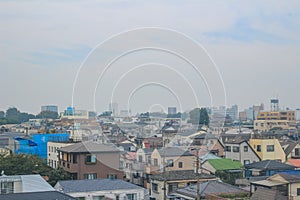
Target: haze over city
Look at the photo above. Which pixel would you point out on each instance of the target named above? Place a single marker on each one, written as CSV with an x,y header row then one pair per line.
x,y
254,44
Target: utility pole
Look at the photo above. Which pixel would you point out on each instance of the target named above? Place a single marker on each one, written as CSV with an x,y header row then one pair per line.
x,y
197,172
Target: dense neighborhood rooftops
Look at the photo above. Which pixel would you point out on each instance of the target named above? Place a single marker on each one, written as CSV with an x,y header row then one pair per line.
x,y
210,187
49,195
269,165
94,185
224,164
180,175
89,146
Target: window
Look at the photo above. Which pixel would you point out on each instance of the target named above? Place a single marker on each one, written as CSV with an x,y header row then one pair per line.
x,y
155,162
298,191
236,149
131,196
246,162
90,159
270,148
90,176
245,148
112,176
173,187
140,158
7,187
170,163
258,148
297,151
98,197
228,148
180,165
117,197
74,156
154,187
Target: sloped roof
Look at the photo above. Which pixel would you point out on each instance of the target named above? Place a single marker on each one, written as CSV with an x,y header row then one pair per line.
x,y
94,185
49,195
289,149
291,178
173,151
236,140
210,187
30,183
225,164
265,193
180,175
89,146
294,162
269,165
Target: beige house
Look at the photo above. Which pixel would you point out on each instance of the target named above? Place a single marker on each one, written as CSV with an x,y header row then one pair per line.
x,y
163,184
287,184
171,158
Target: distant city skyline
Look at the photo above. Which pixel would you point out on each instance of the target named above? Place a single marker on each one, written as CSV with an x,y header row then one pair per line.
x,y
254,44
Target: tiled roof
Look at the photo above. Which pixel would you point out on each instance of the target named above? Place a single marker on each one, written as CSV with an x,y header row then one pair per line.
x,y
173,151
94,185
269,165
294,162
225,164
48,195
89,146
210,187
265,193
180,175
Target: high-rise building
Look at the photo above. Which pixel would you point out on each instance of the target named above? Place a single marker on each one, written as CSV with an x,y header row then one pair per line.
x,y
51,108
114,109
172,110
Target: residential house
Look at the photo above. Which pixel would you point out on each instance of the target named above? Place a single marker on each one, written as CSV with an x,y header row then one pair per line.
x,y
266,168
210,190
23,183
240,150
168,182
171,158
209,142
90,160
52,154
287,184
53,195
291,149
268,149
113,189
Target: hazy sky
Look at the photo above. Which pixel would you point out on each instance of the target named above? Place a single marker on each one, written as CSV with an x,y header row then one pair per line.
x,y
255,45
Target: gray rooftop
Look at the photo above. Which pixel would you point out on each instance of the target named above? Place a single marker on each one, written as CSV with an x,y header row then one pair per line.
x,y
180,175
173,152
210,187
89,146
269,165
48,195
94,185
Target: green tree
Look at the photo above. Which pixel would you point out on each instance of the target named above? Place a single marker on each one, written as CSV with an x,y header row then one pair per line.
x,y
199,116
2,114
12,115
27,164
47,115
